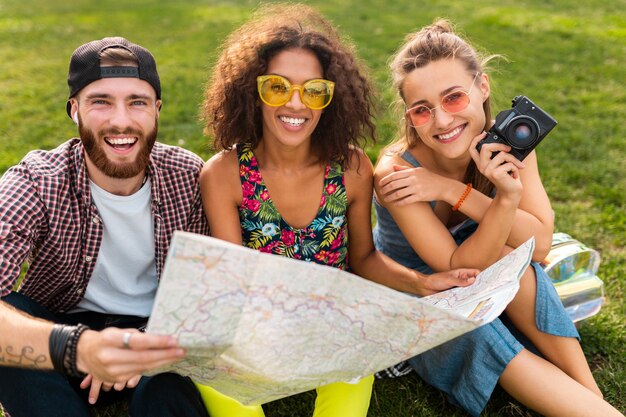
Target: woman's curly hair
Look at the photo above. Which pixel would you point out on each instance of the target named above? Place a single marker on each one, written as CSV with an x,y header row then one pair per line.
x,y
231,108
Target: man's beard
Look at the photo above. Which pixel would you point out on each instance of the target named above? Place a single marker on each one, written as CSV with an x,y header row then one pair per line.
x,y
118,170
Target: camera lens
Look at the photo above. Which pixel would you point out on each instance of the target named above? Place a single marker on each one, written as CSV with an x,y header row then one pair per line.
x,y
522,132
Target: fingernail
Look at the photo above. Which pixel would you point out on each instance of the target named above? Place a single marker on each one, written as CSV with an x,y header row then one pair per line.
x,y
92,400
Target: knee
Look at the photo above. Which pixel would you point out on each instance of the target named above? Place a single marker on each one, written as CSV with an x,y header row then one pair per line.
x,y
160,385
343,399
220,405
166,394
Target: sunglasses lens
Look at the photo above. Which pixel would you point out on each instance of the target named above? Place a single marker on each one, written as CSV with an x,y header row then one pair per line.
x,y
452,103
419,115
455,101
317,94
274,91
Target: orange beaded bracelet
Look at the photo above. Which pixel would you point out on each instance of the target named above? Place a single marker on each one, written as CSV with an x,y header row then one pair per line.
x,y
463,197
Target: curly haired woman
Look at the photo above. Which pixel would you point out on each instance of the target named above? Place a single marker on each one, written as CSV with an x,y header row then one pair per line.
x,y
290,108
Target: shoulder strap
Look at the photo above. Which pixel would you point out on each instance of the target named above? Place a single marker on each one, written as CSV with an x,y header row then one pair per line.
x,y
407,156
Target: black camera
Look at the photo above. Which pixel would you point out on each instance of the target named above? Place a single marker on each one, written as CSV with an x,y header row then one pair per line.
x,y
522,128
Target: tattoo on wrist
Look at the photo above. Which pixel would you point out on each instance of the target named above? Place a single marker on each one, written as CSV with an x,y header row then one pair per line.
x,y
26,357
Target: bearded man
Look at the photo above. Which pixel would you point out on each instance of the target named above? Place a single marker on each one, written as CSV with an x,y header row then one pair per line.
x,y
94,218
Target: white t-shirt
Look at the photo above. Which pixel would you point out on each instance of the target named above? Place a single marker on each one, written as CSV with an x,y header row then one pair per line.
x,y
124,279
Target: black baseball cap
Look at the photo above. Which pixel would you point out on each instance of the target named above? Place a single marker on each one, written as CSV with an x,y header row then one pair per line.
x,y
85,66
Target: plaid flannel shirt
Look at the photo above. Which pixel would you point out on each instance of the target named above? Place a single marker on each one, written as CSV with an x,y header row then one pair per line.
x,y
47,217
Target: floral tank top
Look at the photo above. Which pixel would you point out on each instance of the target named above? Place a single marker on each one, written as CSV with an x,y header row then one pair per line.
x,y
323,241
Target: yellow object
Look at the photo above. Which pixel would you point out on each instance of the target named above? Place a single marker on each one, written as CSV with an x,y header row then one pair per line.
x,y
340,399
219,405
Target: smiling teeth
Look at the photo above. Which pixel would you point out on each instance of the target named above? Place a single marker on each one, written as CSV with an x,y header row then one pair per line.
x,y
293,121
121,141
451,134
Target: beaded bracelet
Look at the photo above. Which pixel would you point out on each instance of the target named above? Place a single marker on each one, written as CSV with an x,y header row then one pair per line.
x,y
72,369
458,204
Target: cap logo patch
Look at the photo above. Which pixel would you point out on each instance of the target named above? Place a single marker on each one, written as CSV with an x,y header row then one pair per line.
x,y
113,72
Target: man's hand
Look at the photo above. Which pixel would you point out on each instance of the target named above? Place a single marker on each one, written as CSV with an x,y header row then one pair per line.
x,y
119,355
96,385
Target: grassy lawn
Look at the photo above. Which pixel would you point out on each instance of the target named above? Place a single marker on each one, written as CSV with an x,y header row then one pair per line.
x,y
567,55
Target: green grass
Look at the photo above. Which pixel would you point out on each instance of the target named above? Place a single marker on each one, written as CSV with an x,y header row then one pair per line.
x,y
566,55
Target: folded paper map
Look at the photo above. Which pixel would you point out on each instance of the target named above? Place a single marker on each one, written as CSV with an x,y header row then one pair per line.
x,y
260,327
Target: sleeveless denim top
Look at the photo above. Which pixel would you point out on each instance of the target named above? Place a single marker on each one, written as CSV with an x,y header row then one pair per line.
x,y
388,237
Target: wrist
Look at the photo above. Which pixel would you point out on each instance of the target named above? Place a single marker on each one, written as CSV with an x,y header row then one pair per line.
x,y
466,192
420,286
453,191
508,199
82,351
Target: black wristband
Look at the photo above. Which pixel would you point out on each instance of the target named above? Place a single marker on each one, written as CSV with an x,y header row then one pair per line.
x,y
57,343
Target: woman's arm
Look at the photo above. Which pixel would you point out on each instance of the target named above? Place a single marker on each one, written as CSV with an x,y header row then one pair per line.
x,y
502,220
369,263
426,229
419,223
220,188
533,216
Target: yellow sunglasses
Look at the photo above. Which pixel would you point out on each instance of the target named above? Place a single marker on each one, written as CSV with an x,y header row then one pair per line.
x,y
275,91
